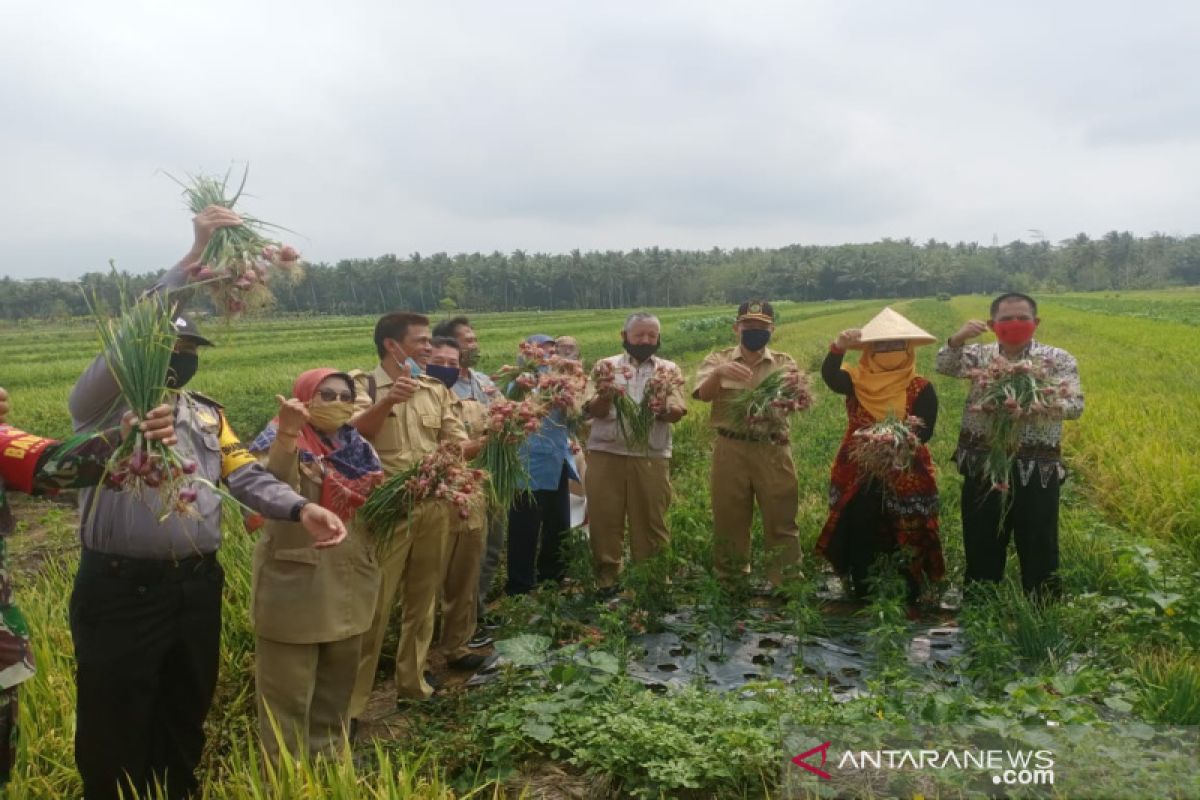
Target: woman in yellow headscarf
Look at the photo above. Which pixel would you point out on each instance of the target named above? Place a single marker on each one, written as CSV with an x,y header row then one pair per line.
x,y
871,518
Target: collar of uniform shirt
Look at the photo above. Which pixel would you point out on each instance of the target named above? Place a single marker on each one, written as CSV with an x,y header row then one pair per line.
x,y
767,355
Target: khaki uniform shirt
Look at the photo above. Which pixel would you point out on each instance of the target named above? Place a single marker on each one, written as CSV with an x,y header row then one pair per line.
x,y
771,361
413,429
605,435
302,595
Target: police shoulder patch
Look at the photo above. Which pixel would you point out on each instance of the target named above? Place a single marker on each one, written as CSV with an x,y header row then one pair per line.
x,y
206,400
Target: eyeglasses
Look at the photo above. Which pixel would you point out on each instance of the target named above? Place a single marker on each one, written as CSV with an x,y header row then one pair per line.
x,y
329,395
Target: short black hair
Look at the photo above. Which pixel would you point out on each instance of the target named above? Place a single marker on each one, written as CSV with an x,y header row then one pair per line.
x,y
395,326
1013,296
446,341
449,327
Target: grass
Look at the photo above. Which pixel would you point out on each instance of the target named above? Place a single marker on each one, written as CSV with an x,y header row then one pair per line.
x,y
1124,642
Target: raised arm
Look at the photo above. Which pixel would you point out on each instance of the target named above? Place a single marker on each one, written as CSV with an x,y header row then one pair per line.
x,y
95,395
836,378
955,357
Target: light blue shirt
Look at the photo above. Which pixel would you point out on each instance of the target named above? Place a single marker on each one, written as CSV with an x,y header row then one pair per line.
x,y
546,452
476,386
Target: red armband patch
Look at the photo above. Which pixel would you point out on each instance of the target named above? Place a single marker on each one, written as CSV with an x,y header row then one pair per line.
x,y
19,453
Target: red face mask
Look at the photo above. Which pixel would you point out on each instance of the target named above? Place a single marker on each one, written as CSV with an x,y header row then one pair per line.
x,y
1014,332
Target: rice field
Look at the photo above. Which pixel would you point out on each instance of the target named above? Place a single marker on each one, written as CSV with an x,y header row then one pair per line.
x,y
1122,648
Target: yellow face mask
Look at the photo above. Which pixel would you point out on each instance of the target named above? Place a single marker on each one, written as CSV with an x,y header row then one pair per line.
x,y
328,417
890,360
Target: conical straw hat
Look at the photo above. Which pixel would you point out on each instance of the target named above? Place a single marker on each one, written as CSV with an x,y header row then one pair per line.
x,y
888,325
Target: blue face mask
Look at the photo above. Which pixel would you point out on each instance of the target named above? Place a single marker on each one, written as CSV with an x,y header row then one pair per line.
x,y
440,372
755,339
414,368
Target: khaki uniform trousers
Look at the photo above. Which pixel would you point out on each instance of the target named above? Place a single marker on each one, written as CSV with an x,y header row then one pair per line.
x,y
620,488
412,565
460,584
306,689
743,472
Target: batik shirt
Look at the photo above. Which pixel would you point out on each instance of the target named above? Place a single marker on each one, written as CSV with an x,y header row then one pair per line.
x,y
1040,449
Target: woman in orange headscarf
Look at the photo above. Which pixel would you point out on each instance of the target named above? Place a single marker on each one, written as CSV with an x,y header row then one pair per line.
x,y
867,519
311,607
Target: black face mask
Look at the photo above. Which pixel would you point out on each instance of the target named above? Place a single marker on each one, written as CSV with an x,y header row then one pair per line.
x,y
447,375
755,339
183,367
639,352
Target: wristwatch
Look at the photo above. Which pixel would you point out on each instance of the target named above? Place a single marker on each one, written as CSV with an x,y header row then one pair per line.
x,y
294,516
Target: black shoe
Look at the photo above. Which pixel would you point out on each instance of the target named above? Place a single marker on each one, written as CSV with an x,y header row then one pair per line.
x,y
471,661
432,680
481,639
608,592
490,622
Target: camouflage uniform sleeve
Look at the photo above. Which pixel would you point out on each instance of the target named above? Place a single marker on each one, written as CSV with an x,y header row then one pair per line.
x,y
75,464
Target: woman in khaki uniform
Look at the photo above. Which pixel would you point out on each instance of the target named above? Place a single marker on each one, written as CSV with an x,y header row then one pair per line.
x,y
310,607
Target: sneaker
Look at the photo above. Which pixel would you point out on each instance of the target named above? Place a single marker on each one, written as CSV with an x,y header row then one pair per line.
x,y
481,639
471,661
490,622
432,680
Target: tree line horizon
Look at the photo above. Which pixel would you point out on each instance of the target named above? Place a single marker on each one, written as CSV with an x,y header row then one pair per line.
x,y
663,277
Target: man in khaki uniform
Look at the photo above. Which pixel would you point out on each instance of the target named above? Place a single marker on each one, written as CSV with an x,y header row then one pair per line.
x,y
626,483
468,536
745,469
405,417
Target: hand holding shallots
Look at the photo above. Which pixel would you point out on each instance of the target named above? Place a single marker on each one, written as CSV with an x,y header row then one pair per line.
x,y
886,449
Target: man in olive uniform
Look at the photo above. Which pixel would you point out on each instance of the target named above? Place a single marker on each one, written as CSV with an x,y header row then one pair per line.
x,y
627,483
146,608
35,465
405,417
464,551
476,386
745,468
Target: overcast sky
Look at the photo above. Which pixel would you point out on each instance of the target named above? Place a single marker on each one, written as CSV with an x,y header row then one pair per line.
x,y
376,127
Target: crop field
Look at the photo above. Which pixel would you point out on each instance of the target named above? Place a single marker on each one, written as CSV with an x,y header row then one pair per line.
x,y
571,714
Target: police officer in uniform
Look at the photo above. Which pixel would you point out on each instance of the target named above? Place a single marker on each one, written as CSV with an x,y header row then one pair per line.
x,y
35,465
146,608
745,469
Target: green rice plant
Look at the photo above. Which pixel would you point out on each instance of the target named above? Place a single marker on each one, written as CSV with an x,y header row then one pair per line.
x,y
1169,687
888,633
1040,631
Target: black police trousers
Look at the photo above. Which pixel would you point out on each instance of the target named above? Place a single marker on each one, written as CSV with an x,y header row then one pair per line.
x,y
147,637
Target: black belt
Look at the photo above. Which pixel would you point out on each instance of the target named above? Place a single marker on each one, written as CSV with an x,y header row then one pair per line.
x,y
147,569
742,437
